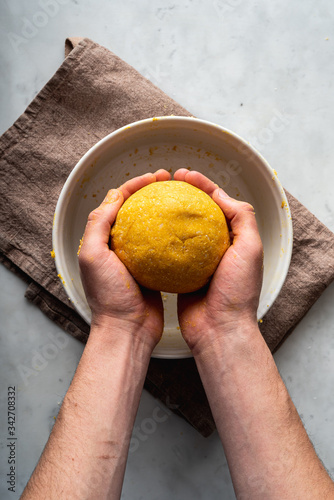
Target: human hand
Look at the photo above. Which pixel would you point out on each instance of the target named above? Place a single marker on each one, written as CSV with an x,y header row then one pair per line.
x,y
112,294
232,295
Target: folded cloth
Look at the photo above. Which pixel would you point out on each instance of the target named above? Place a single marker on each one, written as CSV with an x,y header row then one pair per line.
x,y
93,93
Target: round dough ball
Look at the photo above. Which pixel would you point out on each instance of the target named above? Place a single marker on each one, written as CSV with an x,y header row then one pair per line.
x,y
171,236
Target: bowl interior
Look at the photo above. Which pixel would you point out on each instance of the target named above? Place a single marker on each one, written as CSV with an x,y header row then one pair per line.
x,y
172,143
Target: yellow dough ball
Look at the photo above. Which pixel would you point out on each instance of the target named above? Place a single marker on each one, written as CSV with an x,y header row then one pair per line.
x,y
171,236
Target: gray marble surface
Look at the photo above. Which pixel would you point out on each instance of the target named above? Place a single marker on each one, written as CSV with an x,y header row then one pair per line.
x,y
239,64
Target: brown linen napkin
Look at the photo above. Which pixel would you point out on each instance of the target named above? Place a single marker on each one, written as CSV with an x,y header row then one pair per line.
x,y
93,93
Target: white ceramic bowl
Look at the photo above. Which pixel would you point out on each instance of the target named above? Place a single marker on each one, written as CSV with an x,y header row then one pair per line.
x,y
171,143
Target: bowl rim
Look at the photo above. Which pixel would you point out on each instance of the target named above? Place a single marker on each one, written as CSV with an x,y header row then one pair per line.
x,y
93,151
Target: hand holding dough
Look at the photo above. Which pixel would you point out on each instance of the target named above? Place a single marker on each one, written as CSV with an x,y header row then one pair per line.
x,y
171,236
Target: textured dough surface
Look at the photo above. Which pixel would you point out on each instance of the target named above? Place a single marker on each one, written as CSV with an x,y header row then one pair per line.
x,y
171,236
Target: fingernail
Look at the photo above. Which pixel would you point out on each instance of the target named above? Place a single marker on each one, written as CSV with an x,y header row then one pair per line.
x,y
112,196
222,194
149,175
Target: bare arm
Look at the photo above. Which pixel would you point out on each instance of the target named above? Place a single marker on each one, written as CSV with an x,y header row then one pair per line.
x,y
267,448
269,453
86,453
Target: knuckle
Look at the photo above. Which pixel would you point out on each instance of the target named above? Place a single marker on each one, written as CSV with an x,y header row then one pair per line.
x,y
247,207
82,259
94,214
85,263
258,253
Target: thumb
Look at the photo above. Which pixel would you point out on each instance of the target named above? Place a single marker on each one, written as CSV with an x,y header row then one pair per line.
x,y
100,220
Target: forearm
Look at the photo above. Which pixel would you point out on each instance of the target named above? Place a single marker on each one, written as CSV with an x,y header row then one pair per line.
x,y
86,454
268,451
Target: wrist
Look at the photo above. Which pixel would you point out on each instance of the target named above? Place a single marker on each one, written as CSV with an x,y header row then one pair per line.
x,y
229,334
114,334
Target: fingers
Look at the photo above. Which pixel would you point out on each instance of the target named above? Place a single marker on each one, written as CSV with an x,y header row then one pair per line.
x,y
180,174
196,179
162,175
100,220
240,214
242,219
133,185
232,208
